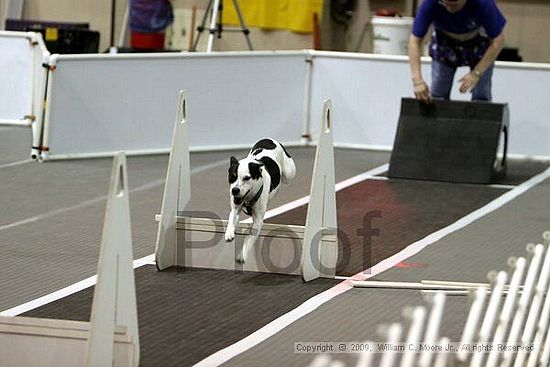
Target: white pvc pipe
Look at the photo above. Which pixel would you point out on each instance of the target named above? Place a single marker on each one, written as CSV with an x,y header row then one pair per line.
x,y
306,113
490,317
22,123
524,300
39,93
461,292
394,333
47,111
542,329
432,330
472,321
545,358
402,285
509,304
417,317
462,284
534,310
33,79
424,59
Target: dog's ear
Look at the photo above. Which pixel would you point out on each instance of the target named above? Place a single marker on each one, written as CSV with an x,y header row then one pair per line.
x,y
232,171
255,170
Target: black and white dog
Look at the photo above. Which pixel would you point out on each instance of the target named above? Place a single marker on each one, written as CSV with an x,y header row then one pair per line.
x,y
253,181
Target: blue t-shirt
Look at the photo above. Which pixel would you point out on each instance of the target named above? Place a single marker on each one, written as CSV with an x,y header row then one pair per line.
x,y
474,14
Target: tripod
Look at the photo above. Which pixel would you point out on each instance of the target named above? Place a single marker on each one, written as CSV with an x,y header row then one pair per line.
x,y
216,26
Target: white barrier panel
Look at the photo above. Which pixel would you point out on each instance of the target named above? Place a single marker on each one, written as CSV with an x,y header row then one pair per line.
x,y
98,104
23,86
16,73
111,337
369,89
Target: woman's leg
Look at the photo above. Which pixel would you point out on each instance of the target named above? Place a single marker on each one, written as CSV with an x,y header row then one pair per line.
x,y
482,90
442,80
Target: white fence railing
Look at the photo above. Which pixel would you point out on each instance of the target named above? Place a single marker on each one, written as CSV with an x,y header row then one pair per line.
x,y
122,102
507,325
102,103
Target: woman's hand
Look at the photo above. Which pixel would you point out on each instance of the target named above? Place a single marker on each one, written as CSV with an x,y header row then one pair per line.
x,y
421,91
469,81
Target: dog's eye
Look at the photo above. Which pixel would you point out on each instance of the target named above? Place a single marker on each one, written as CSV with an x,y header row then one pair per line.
x,y
246,178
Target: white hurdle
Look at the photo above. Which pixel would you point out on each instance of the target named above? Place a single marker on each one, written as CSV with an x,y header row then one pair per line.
x,y
310,251
111,337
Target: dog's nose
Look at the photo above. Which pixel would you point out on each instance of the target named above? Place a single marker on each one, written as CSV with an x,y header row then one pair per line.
x,y
235,191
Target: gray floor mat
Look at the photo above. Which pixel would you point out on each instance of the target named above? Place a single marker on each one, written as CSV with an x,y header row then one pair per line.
x,y
351,317
60,247
486,244
15,144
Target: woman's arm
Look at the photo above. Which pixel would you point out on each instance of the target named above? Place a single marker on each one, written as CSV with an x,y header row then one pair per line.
x,y
421,90
469,81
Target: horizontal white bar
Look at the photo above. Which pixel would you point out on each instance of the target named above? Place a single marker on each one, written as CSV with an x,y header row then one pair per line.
x,y
463,284
52,157
209,148
15,34
404,285
404,58
174,55
22,123
387,148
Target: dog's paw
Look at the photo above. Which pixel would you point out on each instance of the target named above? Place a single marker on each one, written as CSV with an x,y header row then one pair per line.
x,y
241,257
229,236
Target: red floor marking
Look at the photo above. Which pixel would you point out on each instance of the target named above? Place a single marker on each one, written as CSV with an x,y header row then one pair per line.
x,y
406,264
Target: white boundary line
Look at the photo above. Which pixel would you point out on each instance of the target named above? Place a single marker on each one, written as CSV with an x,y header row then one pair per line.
x,y
67,291
88,282
493,186
313,303
15,163
149,260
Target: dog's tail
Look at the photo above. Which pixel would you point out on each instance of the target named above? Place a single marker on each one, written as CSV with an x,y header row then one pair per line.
x,y
289,168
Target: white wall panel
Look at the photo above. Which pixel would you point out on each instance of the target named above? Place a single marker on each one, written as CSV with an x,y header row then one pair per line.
x,y
16,74
99,104
367,90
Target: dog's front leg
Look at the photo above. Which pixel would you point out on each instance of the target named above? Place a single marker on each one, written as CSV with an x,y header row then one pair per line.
x,y
232,223
257,223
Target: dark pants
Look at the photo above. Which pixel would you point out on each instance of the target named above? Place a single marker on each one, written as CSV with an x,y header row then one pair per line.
x,y
442,81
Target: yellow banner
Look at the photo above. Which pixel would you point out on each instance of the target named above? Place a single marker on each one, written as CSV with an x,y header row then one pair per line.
x,y
294,15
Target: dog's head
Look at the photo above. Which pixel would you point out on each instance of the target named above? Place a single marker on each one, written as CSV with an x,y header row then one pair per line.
x,y
245,178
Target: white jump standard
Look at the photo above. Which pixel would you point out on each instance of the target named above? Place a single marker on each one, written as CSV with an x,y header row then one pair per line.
x,y
111,338
310,250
